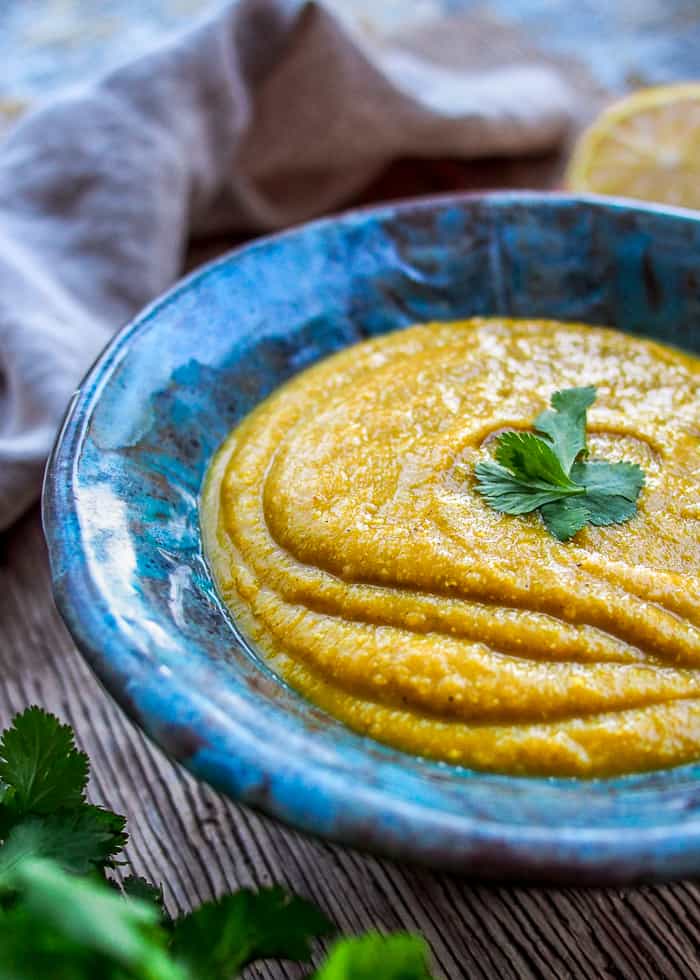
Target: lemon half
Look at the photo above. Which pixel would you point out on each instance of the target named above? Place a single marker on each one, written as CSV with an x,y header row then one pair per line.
x,y
646,146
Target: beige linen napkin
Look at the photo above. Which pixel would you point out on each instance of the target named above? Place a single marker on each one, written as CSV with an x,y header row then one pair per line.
x,y
264,115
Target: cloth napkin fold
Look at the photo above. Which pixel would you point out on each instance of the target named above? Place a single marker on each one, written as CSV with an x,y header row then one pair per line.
x,y
263,115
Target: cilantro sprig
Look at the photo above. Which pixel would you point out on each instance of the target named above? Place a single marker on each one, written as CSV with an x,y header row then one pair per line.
x,y
550,472
62,915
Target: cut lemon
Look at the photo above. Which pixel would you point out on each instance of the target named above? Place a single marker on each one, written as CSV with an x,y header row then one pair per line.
x,y
646,146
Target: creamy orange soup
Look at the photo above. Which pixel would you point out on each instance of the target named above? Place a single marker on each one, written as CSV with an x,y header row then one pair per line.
x,y
345,533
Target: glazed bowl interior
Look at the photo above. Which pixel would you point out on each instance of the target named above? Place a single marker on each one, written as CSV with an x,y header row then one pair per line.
x,y
130,578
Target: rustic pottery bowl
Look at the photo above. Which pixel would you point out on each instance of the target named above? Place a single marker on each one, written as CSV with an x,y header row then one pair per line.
x,y
120,512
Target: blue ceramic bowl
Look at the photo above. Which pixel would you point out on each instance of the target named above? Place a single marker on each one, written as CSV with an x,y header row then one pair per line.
x,y
120,512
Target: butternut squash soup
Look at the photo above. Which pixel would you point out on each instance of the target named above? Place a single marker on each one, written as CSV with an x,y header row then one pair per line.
x,y
347,534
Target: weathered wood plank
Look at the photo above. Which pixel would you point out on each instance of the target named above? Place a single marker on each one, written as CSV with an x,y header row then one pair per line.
x,y
199,845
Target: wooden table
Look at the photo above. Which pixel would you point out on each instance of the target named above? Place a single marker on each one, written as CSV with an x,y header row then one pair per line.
x,y
198,845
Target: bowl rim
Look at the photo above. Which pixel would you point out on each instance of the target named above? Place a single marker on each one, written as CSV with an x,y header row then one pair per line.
x,y
465,842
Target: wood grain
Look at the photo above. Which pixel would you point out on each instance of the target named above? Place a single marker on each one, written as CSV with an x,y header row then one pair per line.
x,y
199,845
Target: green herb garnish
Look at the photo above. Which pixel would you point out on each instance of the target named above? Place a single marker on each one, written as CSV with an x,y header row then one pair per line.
x,y
396,957
549,472
64,917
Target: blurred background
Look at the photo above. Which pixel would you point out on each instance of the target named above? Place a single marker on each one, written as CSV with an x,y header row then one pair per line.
x,y
614,45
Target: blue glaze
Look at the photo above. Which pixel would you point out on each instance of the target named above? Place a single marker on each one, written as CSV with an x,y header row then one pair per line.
x,y
120,512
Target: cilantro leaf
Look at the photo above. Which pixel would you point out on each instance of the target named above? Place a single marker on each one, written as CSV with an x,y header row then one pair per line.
x,y
136,887
78,840
532,461
30,949
396,957
545,474
219,938
40,763
88,916
565,423
563,518
612,490
60,918
7,817
505,493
